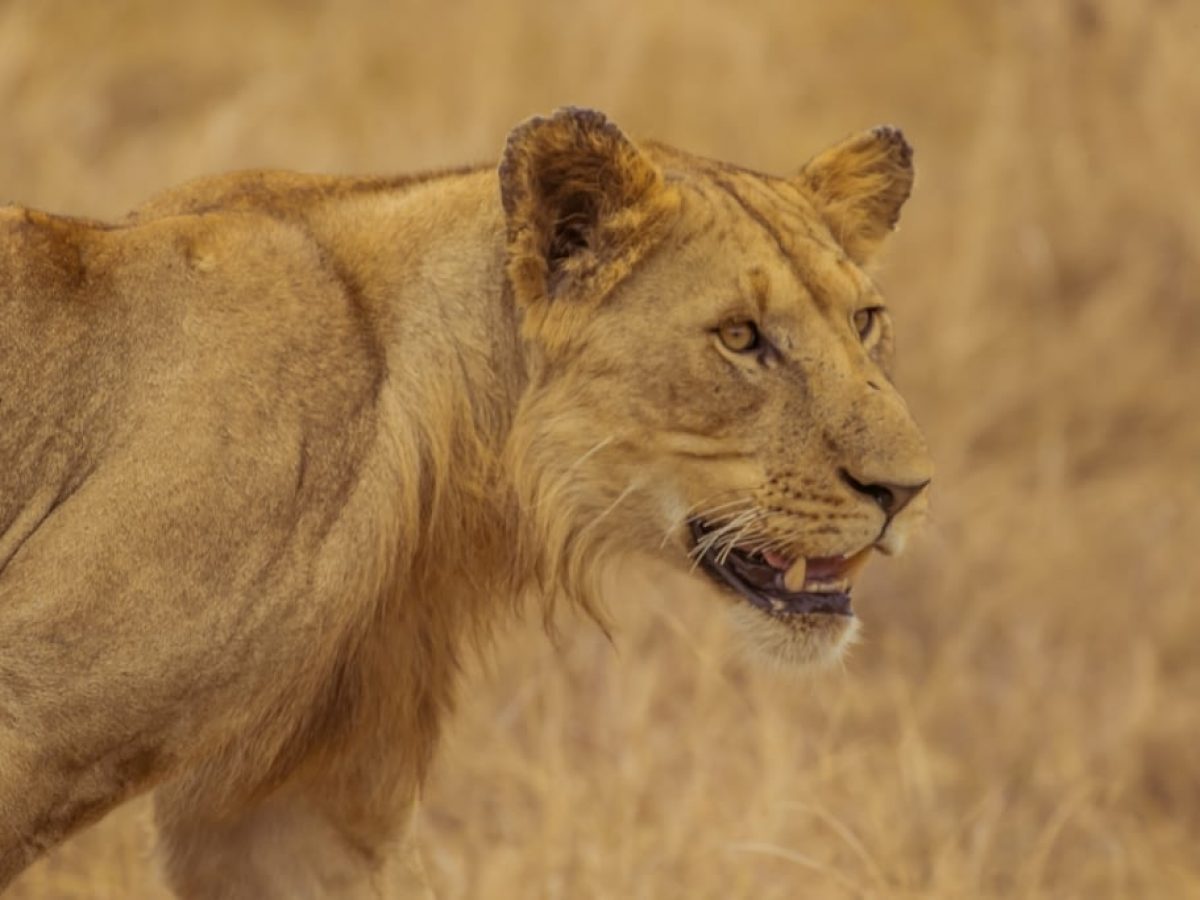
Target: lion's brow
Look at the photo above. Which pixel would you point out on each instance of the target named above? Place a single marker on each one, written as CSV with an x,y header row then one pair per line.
x,y
759,287
813,262
728,187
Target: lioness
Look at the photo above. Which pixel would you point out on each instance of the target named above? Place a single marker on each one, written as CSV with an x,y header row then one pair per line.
x,y
274,450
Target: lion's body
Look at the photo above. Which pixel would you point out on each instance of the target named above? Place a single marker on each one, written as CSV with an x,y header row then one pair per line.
x,y
204,407
272,452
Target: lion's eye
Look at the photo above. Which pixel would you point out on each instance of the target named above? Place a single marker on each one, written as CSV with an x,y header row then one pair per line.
x,y
864,321
740,337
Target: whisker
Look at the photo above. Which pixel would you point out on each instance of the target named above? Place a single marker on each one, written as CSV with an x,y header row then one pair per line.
x,y
711,537
740,524
734,524
762,545
708,513
600,445
608,509
700,510
561,480
776,543
733,538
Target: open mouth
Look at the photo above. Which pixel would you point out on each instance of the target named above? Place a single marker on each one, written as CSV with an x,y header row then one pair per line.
x,y
779,585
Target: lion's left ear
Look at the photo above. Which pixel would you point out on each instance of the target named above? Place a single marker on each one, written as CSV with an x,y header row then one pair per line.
x,y
859,186
583,205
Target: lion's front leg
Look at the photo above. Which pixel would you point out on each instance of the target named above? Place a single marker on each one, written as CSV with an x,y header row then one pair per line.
x,y
304,841
82,725
47,792
143,635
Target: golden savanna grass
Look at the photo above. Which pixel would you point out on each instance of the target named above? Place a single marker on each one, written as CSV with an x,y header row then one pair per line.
x,y
1021,719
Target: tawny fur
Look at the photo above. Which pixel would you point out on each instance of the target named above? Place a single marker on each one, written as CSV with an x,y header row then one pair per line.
x,y
278,449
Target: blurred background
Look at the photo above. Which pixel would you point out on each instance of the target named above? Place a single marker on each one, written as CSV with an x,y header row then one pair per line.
x,y
1022,719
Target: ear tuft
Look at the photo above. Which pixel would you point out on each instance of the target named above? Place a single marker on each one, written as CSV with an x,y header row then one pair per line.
x,y
583,204
860,185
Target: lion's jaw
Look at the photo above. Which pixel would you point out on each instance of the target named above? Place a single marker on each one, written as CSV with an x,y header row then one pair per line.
x,y
769,471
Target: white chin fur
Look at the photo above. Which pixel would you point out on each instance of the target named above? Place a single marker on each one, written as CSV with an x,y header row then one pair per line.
x,y
816,641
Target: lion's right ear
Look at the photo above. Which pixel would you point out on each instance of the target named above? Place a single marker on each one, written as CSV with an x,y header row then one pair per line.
x,y
859,186
583,205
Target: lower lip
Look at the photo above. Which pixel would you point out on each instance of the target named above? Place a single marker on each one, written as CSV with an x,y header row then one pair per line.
x,y
803,604
829,604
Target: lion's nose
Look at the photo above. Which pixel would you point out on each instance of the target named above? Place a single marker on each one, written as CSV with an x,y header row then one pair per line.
x,y
890,497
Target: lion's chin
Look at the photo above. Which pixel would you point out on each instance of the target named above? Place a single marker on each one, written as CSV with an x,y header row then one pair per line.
x,y
795,642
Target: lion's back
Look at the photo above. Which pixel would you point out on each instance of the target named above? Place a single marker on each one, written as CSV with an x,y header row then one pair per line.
x,y
190,327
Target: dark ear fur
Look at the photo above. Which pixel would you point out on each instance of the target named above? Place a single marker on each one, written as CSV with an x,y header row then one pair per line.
x,y
583,205
859,186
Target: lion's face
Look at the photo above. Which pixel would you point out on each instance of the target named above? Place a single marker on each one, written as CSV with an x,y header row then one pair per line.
x,y
711,371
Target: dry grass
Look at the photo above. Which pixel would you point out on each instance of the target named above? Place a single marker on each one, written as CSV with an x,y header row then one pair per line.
x,y
1022,719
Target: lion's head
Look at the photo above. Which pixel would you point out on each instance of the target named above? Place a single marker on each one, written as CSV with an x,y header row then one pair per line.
x,y
709,369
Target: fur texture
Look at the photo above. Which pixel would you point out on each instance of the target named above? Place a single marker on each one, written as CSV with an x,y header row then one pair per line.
x,y
278,449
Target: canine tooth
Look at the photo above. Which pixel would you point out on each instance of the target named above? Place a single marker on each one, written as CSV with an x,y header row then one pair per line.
x,y
793,578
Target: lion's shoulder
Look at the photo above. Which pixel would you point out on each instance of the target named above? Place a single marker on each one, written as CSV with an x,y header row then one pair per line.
x,y
44,255
39,248
273,192
280,193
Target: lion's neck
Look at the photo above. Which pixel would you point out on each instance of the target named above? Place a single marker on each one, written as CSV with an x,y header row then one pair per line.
x,y
426,267
430,267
